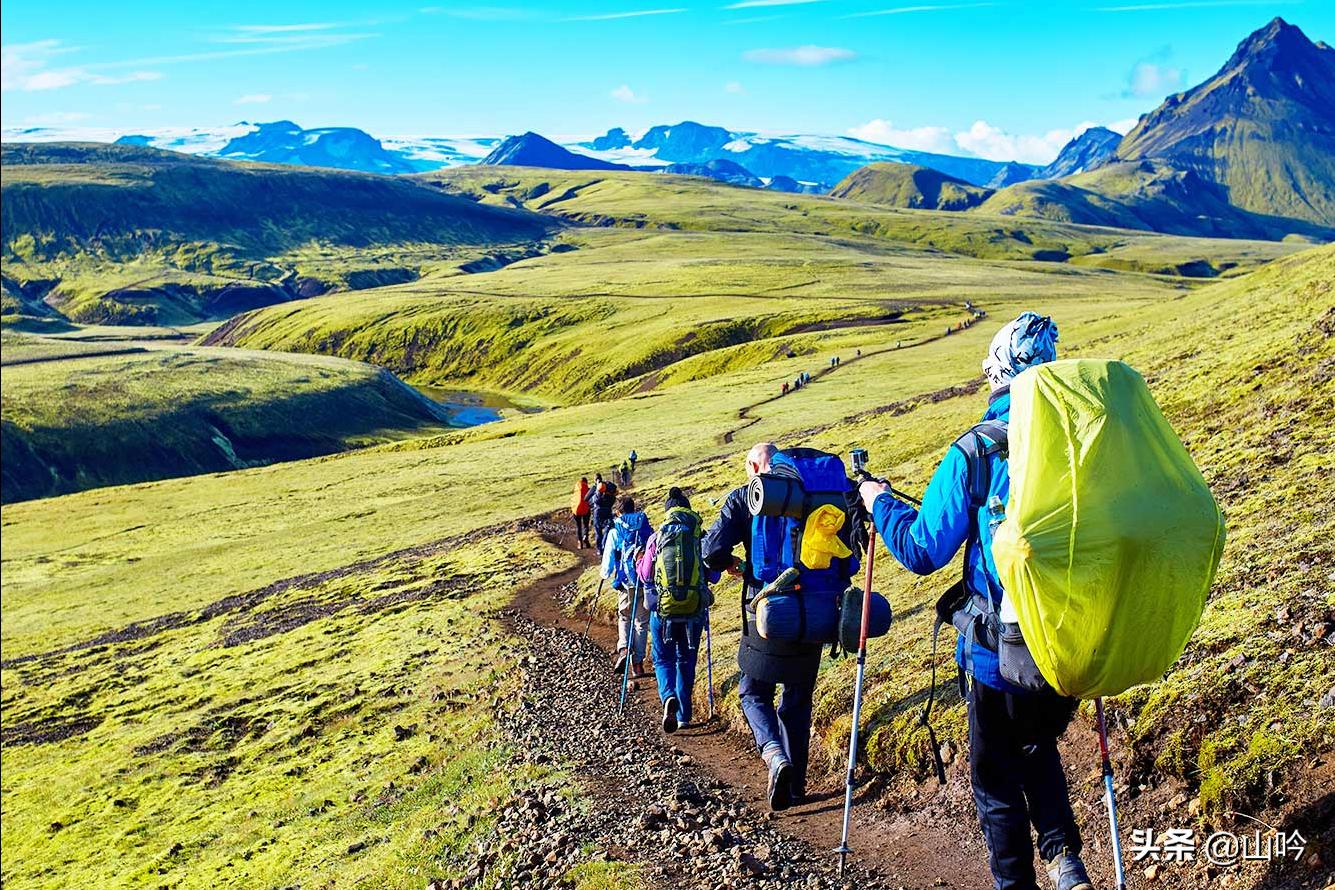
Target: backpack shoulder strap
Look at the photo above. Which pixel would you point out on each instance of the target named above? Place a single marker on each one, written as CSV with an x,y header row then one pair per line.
x,y
980,442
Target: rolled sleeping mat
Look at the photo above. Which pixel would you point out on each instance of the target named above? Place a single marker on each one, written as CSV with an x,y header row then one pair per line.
x,y
850,618
803,617
772,495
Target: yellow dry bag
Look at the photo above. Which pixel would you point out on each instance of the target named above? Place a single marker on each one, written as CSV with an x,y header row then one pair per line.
x,y
1111,538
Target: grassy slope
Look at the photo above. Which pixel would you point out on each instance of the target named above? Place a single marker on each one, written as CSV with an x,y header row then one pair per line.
x,y
79,565
764,274
162,232
906,185
94,417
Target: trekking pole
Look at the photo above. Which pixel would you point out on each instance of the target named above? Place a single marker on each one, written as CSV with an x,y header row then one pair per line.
x,y
630,643
709,664
593,607
1109,797
843,849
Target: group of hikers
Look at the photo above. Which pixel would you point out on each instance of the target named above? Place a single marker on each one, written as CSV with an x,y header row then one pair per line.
x,y
797,533
593,507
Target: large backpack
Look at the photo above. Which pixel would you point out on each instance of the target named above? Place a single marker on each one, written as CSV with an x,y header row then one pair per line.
x,y
804,606
1111,537
678,573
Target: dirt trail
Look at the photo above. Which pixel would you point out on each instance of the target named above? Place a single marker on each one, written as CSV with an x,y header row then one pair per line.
x,y
936,848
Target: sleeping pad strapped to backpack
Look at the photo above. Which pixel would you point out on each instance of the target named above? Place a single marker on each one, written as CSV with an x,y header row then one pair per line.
x,y
805,495
1111,537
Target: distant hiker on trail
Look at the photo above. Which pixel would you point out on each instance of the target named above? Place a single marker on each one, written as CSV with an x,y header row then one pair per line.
x,y
633,458
603,499
580,510
674,579
784,391
782,735
1015,768
623,548
625,473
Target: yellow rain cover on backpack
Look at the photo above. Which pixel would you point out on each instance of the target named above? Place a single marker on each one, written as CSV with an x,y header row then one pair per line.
x,y
1111,538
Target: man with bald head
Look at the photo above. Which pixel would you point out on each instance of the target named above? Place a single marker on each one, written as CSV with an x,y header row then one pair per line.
x,y
782,733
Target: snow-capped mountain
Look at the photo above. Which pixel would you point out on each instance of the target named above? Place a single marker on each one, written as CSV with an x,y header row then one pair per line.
x,y
813,161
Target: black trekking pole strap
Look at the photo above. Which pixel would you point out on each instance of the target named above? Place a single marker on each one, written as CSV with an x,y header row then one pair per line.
x,y
925,718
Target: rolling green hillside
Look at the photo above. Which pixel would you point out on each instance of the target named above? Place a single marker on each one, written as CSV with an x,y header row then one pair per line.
x,y
237,684
119,233
80,415
906,185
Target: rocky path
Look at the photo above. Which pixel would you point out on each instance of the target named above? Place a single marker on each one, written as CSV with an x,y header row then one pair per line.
x,y
690,807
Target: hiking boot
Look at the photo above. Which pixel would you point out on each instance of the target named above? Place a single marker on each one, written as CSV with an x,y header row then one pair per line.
x,y
637,669
670,714
780,784
620,664
1068,872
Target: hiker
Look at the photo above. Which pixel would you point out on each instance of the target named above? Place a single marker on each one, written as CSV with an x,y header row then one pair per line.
x,y
633,458
782,734
784,391
625,473
624,545
580,510
674,580
1015,768
604,500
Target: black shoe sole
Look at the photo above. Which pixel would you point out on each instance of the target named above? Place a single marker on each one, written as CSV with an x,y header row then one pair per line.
x,y
670,715
781,788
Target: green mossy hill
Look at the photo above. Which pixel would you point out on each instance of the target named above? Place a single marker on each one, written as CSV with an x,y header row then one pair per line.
x,y
907,185
1150,195
116,234
78,416
1262,128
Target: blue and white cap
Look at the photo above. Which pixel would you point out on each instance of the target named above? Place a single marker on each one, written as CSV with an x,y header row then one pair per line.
x,y
1029,340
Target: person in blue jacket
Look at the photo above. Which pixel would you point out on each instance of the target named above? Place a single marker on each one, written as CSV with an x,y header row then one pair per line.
x,y
625,542
1015,768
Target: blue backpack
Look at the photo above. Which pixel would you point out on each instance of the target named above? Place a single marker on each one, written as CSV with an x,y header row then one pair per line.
x,y
806,607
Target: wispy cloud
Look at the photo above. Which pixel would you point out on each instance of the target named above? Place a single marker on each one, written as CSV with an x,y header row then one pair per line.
x,y
735,88
480,13
902,10
753,20
609,16
1154,76
753,4
1192,4
254,99
56,118
625,94
801,56
27,67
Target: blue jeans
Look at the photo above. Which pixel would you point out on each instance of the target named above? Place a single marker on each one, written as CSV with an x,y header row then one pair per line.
x,y
1018,779
787,728
676,648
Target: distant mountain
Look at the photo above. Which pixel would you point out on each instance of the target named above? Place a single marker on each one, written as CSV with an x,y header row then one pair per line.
x,y
721,169
907,185
788,184
1084,152
1144,195
1262,128
532,150
340,148
817,161
1012,173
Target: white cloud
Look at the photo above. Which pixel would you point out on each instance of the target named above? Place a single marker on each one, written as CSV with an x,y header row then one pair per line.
x,y
1123,126
254,99
27,67
56,118
883,132
987,141
624,93
1152,79
900,10
607,17
753,4
735,88
802,56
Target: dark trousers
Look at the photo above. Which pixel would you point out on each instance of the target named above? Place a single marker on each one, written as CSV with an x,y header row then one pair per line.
x,y
1018,780
788,725
582,528
600,529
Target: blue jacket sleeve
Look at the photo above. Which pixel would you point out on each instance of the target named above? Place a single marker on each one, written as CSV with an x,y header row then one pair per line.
x,y
926,539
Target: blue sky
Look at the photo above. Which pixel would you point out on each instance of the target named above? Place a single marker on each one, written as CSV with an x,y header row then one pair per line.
x,y
1000,79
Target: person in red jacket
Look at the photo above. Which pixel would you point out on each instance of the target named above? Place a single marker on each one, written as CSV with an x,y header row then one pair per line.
x,y
579,511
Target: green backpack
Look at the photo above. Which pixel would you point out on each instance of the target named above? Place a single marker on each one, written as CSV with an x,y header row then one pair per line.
x,y
678,574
